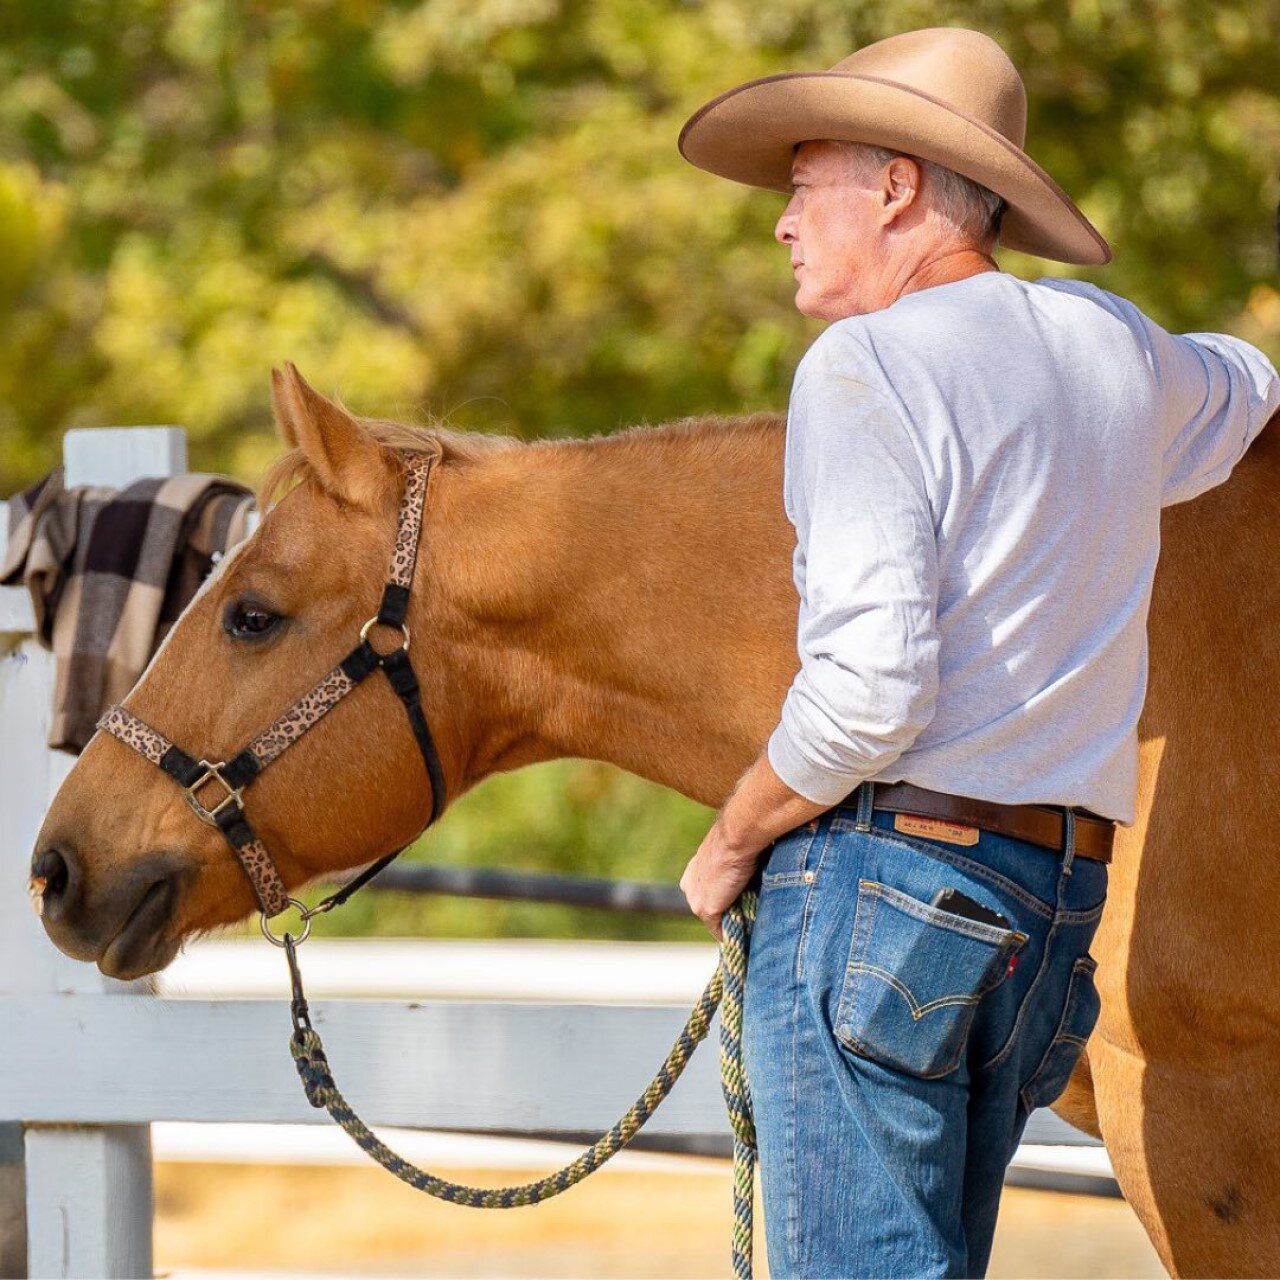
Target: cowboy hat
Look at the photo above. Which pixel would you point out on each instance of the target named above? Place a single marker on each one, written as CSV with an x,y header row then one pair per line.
x,y
944,94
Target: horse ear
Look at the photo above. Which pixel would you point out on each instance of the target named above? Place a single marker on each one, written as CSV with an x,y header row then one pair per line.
x,y
282,408
346,458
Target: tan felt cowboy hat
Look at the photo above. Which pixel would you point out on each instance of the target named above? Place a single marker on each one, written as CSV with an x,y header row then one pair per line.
x,y
944,94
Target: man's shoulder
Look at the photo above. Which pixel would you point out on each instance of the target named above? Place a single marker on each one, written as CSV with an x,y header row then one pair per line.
x,y
928,326
843,349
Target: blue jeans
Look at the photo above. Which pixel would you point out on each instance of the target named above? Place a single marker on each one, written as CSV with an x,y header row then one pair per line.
x,y
894,1049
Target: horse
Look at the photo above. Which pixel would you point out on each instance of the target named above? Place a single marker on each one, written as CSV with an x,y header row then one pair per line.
x,y
628,598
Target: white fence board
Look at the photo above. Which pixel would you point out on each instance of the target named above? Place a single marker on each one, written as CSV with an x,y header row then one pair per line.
x,y
116,457
481,1067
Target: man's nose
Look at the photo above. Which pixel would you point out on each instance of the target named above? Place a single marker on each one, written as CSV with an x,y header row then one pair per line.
x,y
785,231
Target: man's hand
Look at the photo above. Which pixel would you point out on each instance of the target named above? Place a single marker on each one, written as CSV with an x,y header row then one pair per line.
x,y
716,876
760,809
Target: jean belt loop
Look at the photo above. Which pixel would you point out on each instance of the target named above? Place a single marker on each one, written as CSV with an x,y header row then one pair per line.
x,y
1069,839
866,801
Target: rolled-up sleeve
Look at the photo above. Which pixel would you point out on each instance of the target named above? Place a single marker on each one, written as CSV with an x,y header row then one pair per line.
x,y
1219,392
867,573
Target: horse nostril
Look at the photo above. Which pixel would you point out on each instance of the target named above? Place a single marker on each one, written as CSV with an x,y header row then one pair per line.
x,y
50,879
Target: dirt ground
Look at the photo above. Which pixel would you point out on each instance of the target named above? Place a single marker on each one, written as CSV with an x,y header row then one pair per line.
x,y
356,1221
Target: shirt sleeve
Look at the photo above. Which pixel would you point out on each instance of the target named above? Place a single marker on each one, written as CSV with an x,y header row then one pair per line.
x,y
867,632
1221,391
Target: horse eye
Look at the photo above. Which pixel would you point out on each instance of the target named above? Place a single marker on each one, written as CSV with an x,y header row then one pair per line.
x,y
246,621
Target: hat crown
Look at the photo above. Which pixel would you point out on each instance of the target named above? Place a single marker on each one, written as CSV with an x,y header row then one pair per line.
x,y
966,70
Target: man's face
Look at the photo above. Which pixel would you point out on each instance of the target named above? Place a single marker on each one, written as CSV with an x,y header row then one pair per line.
x,y
833,231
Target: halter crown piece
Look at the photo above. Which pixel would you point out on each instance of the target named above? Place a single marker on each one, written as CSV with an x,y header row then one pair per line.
x,y
226,811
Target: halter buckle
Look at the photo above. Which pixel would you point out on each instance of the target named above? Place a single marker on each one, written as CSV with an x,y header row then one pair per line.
x,y
395,626
212,773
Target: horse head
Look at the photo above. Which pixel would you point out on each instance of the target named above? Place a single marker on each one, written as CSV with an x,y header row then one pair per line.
x,y
124,870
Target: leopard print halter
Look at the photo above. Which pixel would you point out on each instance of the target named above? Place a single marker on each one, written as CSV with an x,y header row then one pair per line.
x,y
214,789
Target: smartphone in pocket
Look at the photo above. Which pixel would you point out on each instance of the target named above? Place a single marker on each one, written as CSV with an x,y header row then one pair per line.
x,y
960,904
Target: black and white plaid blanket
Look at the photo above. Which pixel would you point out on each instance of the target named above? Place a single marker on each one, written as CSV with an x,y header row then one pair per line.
x,y
109,571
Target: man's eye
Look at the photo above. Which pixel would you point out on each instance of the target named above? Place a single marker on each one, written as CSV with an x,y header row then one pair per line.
x,y
248,621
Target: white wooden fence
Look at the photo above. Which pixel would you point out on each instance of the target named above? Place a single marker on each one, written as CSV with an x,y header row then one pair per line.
x,y
86,1063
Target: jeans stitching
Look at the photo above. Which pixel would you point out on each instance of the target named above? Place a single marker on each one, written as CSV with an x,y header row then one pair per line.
x,y
1082,967
948,920
848,994
1082,915
1054,928
917,1008
1005,1049
969,865
793,1179
781,879
806,914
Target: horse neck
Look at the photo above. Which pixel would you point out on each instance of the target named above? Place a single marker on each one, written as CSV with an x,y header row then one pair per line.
x,y
627,601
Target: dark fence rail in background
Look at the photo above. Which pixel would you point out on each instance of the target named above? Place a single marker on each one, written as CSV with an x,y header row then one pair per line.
x,y
637,896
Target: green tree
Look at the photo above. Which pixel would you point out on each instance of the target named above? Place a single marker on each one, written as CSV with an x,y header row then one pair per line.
x,y
476,208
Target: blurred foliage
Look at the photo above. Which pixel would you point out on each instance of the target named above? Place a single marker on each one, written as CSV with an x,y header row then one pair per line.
x,y
476,208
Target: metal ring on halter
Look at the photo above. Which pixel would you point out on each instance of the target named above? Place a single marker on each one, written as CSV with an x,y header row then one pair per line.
x,y
374,621
300,939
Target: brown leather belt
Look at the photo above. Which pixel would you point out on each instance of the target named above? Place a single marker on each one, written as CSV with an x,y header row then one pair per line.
x,y
1040,824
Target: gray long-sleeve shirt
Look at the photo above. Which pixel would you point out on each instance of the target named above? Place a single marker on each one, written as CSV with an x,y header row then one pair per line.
x,y
975,476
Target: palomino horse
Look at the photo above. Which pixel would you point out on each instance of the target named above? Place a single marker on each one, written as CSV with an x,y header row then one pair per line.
x,y
629,599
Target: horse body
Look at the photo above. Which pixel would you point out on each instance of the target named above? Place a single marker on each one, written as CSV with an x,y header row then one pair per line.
x,y
629,599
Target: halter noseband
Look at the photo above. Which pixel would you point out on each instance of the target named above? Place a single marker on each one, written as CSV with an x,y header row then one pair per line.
x,y
233,775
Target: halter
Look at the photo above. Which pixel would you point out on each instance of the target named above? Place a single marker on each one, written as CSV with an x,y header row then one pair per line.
x,y
234,775
227,814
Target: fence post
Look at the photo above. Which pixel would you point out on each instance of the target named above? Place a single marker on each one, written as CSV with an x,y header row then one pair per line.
x,y
88,1188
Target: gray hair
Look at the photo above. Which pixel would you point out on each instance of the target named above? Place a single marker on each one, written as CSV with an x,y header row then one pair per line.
x,y
973,210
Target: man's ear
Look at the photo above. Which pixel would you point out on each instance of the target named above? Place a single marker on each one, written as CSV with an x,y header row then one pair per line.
x,y
345,457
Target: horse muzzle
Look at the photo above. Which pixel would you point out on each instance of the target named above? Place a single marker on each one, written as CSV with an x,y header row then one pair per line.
x,y
124,928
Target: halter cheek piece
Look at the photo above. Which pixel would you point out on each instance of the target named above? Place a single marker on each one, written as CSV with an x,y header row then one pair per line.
x,y
226,811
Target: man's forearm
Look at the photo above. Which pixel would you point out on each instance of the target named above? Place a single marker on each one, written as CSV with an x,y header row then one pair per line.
x,y
761,808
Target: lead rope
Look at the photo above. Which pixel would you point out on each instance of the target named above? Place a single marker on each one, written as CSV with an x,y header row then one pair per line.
x,y
726,989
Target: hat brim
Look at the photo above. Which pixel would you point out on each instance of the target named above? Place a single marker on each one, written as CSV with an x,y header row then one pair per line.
x,y
750,133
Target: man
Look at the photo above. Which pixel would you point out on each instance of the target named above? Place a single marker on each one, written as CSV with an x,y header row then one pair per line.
x,y
975,467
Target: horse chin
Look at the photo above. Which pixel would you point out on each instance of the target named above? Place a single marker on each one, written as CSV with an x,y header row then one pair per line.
x,y
140,946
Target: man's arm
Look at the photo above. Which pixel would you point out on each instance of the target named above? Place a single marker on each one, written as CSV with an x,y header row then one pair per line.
x,y
761,808
867,632
1221,392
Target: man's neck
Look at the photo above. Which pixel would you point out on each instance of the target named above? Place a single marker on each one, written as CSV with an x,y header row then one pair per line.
x,y
945,268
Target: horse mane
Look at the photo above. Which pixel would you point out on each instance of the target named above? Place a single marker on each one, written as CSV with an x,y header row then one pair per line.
x,y
714,434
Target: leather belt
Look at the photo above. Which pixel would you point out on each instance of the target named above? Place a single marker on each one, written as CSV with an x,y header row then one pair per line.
x,y
1039,824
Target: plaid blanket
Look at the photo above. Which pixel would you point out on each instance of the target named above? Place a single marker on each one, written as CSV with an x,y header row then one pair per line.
x,y
109,571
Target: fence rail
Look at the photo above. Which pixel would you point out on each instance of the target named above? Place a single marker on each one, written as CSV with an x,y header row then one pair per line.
x,y
88,1063
641,897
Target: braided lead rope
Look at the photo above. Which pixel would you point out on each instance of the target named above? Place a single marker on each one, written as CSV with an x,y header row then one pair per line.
x,y
728,981
736,926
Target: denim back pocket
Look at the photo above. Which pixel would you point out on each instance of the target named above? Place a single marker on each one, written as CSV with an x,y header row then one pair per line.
x,y
1079,1014
914,979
